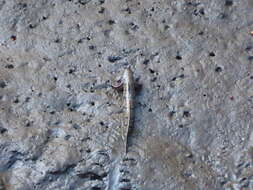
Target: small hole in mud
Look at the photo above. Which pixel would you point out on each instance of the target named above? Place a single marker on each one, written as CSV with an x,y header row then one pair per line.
x,y
92,47
55,79
151,71
201,33
186,114
76,126
181,76
102,10
171,114
80,41
101,2
16,101
13,37
113,59
145,62
27,99
126,32
250,58
32,26
128,10
101,123
67,137
96,188
9,66
248,48
178,57
149,110
134,27
181,126
174,78
107,33
92,103
83,2
22,5
71,71
44,18
2,130
28,124
153,79
223,16
111,22
124,180
52,112
125,188
211,54
99,65
57,40
228,3
218,69
202,11
2,84
204,95
88,150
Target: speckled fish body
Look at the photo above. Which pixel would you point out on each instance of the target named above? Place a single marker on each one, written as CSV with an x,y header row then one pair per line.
x,y
129,98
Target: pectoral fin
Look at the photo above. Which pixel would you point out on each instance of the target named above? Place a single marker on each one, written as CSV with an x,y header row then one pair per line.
x,y
119,87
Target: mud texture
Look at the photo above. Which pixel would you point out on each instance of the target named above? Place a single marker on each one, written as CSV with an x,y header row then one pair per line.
x,y
61,121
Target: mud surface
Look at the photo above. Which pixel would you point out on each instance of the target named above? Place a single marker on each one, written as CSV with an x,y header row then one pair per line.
x,y
61,121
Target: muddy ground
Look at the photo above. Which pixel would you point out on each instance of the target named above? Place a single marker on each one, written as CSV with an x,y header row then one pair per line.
x,y
61,121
